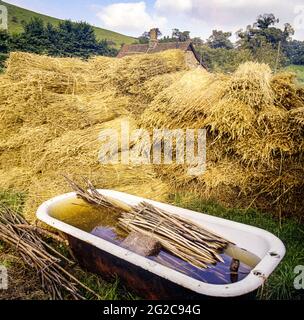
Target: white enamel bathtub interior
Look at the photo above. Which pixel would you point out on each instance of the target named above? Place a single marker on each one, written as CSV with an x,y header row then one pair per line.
x,y
263,244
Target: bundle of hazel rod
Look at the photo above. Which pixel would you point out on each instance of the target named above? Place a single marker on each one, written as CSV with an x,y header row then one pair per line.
x,y
30,243
179,236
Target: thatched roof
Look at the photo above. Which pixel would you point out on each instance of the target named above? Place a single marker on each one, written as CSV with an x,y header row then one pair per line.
x,y
131,49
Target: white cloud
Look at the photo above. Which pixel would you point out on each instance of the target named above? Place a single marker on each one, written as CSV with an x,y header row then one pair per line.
x,y
242,3
199,6
131,17
201,16
174,5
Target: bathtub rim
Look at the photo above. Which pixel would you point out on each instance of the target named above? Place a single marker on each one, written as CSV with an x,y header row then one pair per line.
x,y
250,283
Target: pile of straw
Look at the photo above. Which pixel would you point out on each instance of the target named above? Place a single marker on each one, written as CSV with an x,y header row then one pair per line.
x,y
254,122
132,73
52,110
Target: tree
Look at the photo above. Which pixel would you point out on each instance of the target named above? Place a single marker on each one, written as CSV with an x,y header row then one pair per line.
x,y
261,32
180,36
144,38
4,41
53,39
266,42
76,39
294,50
223,60
4,47
267,54
220,39
197,41
32,39
68,39
265,20
288,32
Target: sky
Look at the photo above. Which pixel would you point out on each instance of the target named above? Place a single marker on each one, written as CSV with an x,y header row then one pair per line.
x,y
133,17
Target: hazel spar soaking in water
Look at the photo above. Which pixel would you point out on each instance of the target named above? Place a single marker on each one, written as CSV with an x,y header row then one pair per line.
x,y
103,223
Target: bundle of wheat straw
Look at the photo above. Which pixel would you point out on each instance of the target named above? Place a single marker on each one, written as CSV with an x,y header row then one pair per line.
x,y
51,113
254,136
52,108
134,71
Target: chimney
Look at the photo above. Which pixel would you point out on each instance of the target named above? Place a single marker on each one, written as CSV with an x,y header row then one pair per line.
x,y
153,37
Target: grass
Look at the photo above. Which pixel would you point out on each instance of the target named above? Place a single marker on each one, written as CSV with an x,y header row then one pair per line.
x,y
20,276
291,232
14,200
17,15
299,70
278,286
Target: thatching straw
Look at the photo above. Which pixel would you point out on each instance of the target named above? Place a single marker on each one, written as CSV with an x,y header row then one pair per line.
x,y
254,123
52,110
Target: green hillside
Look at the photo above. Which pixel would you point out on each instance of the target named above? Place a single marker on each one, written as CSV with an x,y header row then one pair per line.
x,y
299,70
17,15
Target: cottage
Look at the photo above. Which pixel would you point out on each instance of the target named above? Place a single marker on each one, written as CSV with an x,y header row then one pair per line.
x,y
193,59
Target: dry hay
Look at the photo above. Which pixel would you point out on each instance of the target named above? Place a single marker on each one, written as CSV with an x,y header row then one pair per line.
x,y
140,73
157,84
104,66
52,111
103,106
182,103
288,95
251,83
20,64
59,75
246,94
297,116
15,177
76,152
254,145
133,71
140,77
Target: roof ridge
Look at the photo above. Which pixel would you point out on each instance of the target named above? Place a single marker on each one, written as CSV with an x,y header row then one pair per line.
x,y
142,48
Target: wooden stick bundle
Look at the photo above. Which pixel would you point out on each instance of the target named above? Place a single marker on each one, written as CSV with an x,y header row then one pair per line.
x,y
90,195
39,255
181,237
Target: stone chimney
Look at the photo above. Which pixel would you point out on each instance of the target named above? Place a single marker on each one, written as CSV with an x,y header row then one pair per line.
x,y
153,38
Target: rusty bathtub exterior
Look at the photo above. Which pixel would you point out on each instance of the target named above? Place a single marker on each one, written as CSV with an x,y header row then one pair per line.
x,y
140,281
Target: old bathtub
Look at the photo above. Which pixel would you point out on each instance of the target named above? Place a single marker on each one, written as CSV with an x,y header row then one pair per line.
x,y
152,280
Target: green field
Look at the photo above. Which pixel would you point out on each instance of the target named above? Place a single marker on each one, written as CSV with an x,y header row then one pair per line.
x,y
17,15
299,70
